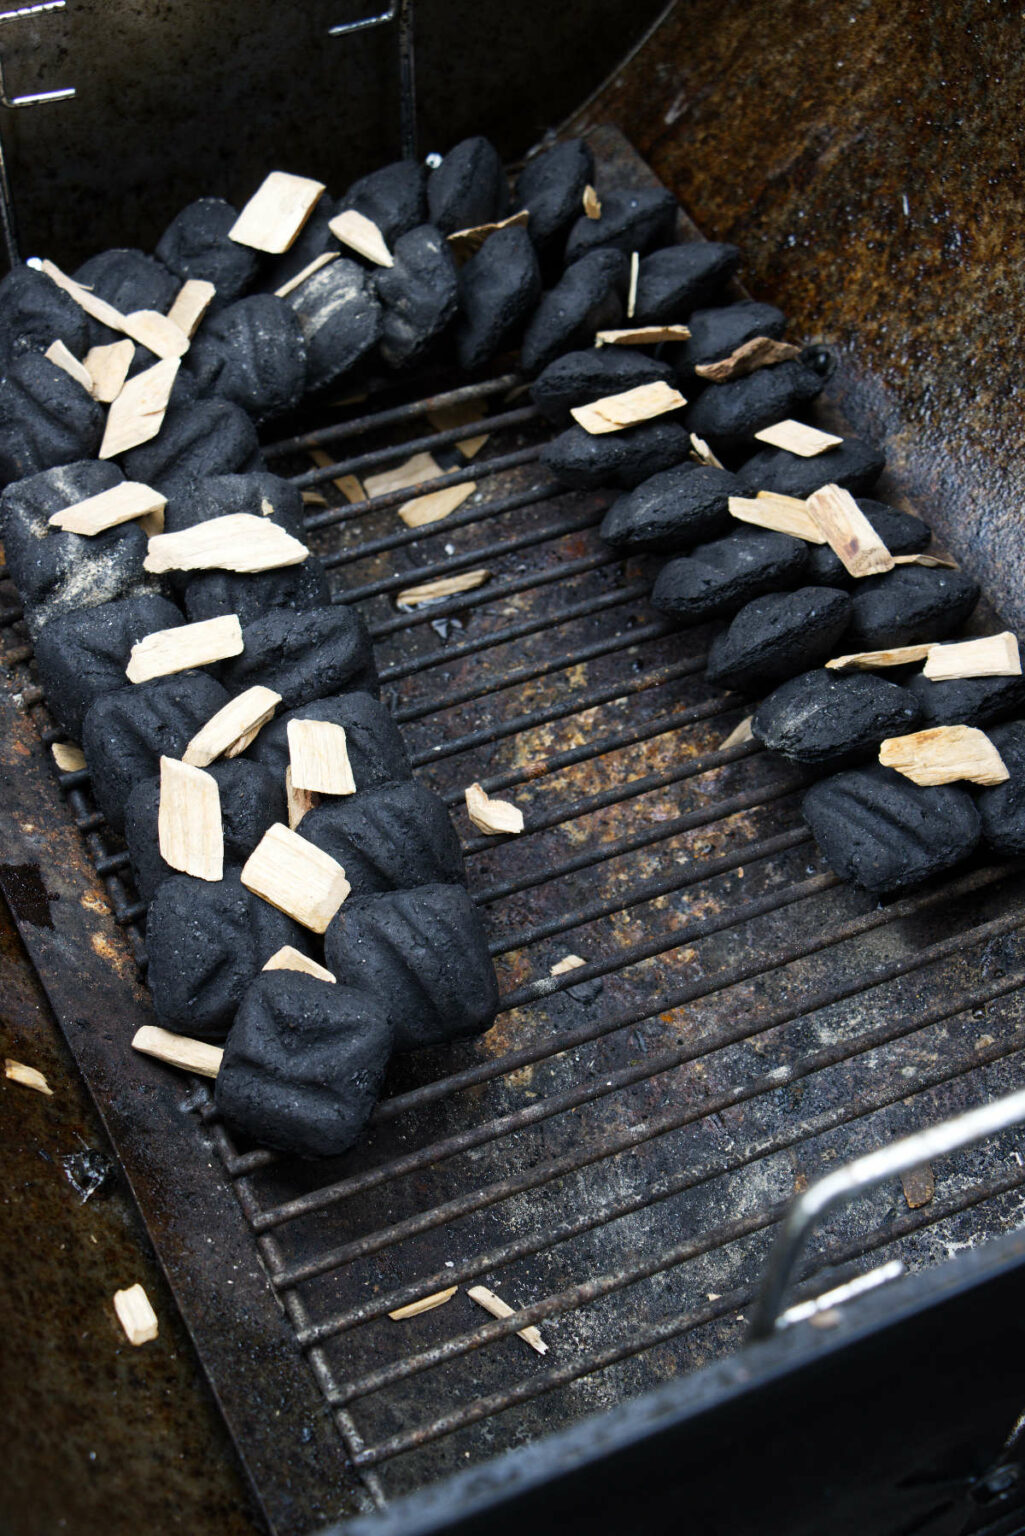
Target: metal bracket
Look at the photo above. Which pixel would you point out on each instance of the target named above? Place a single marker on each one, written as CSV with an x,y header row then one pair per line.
x,y
402,11
14,103
856,1178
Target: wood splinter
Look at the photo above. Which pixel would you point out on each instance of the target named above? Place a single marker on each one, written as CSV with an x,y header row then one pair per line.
x,y
287,958
136,1315
463,243
848,532
781,514
189,829
295,876
759,352
631,292
193,299
298,801
318,757
702,454
444,586
867,661
28,1077
945,754
797,437
361,235
323,260
108,368
182,1051
231,729
566,964
68,757
499,1308
62,357
992,656
613,412
122,503
591,202
276,212
739,736
496,817
137,414
187,646
642,336
425,1304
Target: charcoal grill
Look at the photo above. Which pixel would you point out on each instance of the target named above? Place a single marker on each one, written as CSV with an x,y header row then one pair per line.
x,y
616,1156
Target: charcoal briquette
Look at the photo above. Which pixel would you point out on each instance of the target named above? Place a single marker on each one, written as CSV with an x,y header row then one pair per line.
x,y
377,754
672,511
209,437
305,656
423,955
631,221
853,465
34,312
732,412
777,636
581,459
253,353
258,493
129,280
196,245
419,294
468,187
391,838
587,298
910,605
900,532
340,319
1002,807
498,288
577,378
394,198
679,278
551,188
46,418
293,588
717,579
826,717
968,700
717,332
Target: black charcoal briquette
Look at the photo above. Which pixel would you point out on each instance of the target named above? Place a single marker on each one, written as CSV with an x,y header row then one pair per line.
x,y
1002,807
259,493
46,418
777,636
672,511
717,579
387,839
468,187
630,221
881,831
676,280
253,353
34,312
968,700
303,1065
498,288
340,319
551,188
853,465
129,280
826,717
304,656
394,198
577,378
910,605
716,333
377,754
587,298
732,412
209,437
295,588
900,532
420,295
581,460
423,955
196,245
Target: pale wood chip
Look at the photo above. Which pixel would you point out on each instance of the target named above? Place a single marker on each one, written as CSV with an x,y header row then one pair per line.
x,y
497,817
700,451
631,292
425,1304
461,414
944,754
276,212
759,352
867,661
122,503
591,202
288,958
444,586
319,757
191,303
298,801
197,1056
68,757
349,485
136,1315
499,1308
361,235
189,829
797,437
138,413
108,368
402,477
145,326
992,656
931,562
295,876
464,242
783,514
614,412
469,447
231,729
919,1185
28,1077
314,499
190,645
641,336
740,734
848,532
323,260
566,964
435,505
239,541
64,358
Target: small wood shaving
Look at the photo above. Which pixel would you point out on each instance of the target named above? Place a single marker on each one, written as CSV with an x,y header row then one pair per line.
x,y
631,293
931,562
349,486
239,541
591,202
641,336
992,656
62,357
499,1308
156,332
136,1315
28,1077
189,829
323,260
700,451
122,503
289,959
797,437
464,242
568,963
944,754
496,817
919,1185
759,352
739,735
782,514
403,477
848,532
867,661
318,757
298,801
614,412
361,235
191,303
314,499
108,368
425,1304
137,414
187,646
68,757
231,729
445,586
435,505
197,1056
276,212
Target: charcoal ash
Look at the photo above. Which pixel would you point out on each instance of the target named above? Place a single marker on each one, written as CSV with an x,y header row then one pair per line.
x,y
129,280
208,437
777,636
46,418
637,220
303,1065
577,378
909,605
551,188
853,465
968,700
1002,807
581,460
304,656
828,719
377,752
900,532
196,246
253,353
678,279
340,318
394,198
715,580
589,297
672,512
34,313
498,289
879,830
733,412
468,188
292,588
419,295
258,494
394,837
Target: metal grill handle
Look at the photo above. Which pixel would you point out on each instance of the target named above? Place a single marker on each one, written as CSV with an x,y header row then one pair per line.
x,y
857,1178
402,11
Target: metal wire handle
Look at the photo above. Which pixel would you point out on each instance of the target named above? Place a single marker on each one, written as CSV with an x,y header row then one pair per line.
x,y
14,103
863,1174
402,11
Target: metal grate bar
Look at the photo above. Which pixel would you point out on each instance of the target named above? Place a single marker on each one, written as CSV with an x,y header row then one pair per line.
x,y
483,513
478,470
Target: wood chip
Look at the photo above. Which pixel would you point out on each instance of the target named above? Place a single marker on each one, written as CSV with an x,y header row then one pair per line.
x,y
700,451
361,235
868,661
323,260
740,734
298,801
68,757
189,827
992,656
919,1185
231,729
197,1056
631,293
349,485
641,336
592,202
445,586
190,645
567,964
499,1308
193,299
296,877
435,505
122,503
135,1315
464,242
145,326
425,1304
240,541
313,499
138,413
108,368
931,562
289,959
783,514
402,477
614,412
848,532
62,357
276,212
944,754
498,817
28,1077
445,417
797,437
319,757
759,352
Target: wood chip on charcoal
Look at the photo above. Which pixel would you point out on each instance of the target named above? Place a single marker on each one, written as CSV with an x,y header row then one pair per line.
x,y
445,586
931,562
137,414
197,1056
758,352
123,503
425,1304
28,1077
287,958
361,235
700,451
943,755
323,260
298,801
276,212
435,505
848,532
992,656
402,477
499,1308
641,336
319,757
740,734
797,437
189,829
631,292
108,368
145,326
867,661
231,729
192,302
566,964
188,646
464,242
136,1315
68,757
59,354
591,202
239,541
919,1186
782,514
298,878
614,412
497,817
349,485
